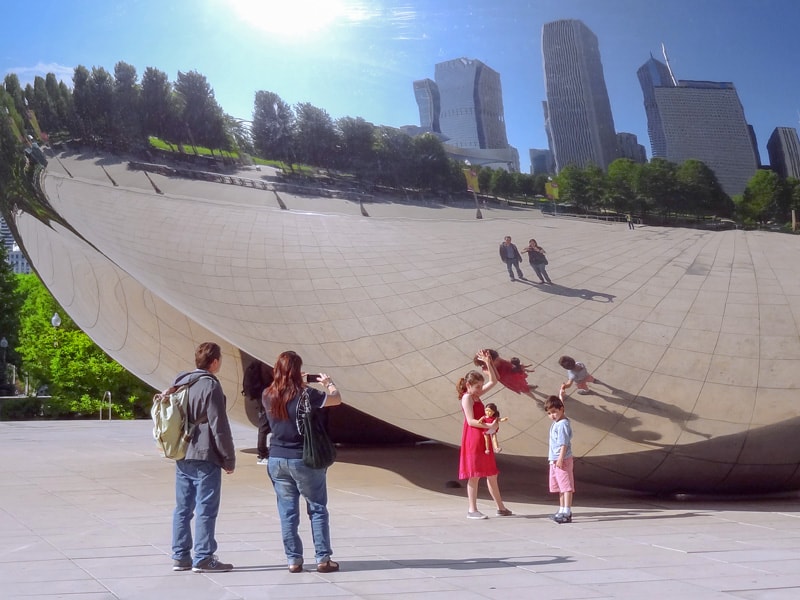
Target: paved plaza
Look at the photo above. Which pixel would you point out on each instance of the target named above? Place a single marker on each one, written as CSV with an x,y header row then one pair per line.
x,y
85,513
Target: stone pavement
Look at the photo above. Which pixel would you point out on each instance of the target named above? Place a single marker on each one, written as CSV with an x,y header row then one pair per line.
x,y
85,513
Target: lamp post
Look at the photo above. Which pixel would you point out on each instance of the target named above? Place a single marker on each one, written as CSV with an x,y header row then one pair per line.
x,y
4,346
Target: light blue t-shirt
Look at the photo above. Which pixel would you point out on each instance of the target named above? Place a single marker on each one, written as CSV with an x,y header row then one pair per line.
x,y
560,435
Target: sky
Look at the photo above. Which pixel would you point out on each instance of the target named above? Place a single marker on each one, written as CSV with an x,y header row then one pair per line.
x,y
359,58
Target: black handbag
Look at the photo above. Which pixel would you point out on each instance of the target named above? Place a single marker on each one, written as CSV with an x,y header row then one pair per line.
x,y
319,451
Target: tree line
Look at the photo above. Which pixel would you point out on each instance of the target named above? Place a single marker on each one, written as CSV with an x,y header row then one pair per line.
x,y
121,111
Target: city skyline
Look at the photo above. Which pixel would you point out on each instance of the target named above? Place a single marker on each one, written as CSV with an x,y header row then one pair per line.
x,y
356,58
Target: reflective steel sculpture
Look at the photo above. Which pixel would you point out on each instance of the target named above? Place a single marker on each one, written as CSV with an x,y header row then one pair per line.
x,y
695,332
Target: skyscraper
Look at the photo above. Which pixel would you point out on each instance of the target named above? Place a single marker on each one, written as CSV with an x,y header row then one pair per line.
x,y
653,74
784,152
427,94
471,104
581,126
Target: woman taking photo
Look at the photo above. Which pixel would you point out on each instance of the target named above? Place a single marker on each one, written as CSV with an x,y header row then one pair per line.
x,y
290,476
536,256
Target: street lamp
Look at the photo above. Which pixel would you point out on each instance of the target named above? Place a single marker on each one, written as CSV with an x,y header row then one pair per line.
x,y
4,345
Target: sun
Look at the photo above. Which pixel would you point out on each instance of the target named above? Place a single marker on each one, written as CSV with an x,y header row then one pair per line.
x,y
292,18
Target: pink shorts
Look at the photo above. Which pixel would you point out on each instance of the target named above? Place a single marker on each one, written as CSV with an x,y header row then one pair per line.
x,y
581,385
562,480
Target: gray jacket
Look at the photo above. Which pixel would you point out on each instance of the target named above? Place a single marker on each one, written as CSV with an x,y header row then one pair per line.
x,y
212,440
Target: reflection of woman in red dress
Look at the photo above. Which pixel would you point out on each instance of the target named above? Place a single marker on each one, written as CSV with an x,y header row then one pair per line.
x,y
474,463
511,373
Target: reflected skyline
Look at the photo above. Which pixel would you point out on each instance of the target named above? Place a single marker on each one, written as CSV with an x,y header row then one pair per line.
x,y
361,58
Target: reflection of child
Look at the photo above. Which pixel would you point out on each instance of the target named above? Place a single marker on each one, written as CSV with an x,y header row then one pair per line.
x,y
511,373
576,372
493,420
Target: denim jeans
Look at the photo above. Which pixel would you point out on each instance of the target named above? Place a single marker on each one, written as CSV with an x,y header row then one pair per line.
x,y
541,272
198,488
292,479
515,264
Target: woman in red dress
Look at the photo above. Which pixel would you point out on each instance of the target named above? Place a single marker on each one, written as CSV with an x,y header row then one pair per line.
x,y
511,373
474,463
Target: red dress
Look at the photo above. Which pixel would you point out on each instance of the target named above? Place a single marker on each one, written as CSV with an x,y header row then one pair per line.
x,y
474,462
516,381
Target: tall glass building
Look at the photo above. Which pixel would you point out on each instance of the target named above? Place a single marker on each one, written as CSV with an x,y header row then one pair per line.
x,y
471,104
426,93
784,152
653,74
579,120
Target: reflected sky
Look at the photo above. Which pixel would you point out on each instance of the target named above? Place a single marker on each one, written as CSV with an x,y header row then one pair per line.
x,y
359,58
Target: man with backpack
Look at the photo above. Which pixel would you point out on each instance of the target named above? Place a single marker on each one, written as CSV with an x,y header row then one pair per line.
x,y
198,476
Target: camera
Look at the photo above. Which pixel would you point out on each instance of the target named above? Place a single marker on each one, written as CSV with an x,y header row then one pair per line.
x,y
312,378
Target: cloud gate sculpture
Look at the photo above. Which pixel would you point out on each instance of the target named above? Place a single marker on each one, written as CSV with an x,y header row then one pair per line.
x,y
696,332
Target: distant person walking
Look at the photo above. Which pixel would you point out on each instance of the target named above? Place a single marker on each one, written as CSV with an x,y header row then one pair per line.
x,y
630,221
511,256
538,260
198,477
474,462
561,477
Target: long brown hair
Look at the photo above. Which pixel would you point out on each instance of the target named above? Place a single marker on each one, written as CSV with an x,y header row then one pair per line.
x,y
469,378
286,385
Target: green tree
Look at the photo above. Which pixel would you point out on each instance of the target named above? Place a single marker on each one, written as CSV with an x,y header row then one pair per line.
x,y
315,135
394,153
502,183
127,121
14,89
763,199
356,152
273,127
158,106
621,190
431,162
200,115
76,370
9,315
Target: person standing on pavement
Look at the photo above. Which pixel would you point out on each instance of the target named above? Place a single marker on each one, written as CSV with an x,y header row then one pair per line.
x,y
511,256
198,476
538,260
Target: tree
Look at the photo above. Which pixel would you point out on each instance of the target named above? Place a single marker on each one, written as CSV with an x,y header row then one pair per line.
x,y
9,316
700,190
200,115
356,152
315,135
14,90
431,162
502,182
273,126
77,372
763,198
158,107
127,121
394,153
621,189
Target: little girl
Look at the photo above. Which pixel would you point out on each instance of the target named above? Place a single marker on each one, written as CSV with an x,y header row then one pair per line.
x,y
474,463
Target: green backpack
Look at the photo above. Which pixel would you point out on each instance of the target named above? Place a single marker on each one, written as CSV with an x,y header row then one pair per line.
x,y
172,430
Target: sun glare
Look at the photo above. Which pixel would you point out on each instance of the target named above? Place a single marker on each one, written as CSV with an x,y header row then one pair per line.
x,y
293,18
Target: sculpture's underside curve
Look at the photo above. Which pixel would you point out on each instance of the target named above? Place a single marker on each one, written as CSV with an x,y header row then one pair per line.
x,y
697,332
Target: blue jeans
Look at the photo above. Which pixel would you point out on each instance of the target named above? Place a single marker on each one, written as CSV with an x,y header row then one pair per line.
x,y
515,263
292,479
198,487
541,272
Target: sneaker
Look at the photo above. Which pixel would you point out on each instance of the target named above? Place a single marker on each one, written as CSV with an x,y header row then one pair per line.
x,y
563,518
182,564
262,461
584,392
554,517
212,565
476,515
504,512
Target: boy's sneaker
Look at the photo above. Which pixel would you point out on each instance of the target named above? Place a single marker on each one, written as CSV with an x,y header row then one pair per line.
x,y
262,461
182,564
504,512
563,518
476,515
212,565
584,392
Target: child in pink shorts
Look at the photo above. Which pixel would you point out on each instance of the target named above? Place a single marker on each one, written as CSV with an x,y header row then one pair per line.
x,y
562,480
